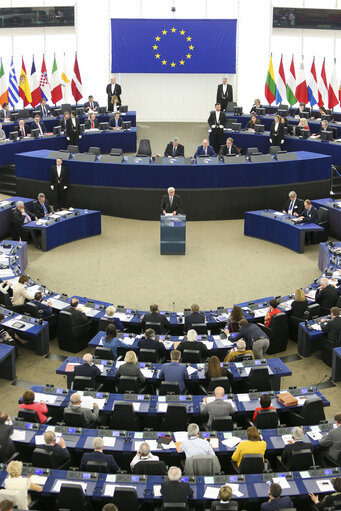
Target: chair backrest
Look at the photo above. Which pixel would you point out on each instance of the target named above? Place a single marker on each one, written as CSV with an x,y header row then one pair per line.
x,y
127,384
200,328
5,299
94,150
224,423
266,419
221,381
104,353
71,338
174,506
147,355
65,107
312,411
241,357
191,357
122,416
251,464
145,147
71,497
43,458
125,498
152,468
300,460
278,333
314,310
82,383
273,149
259,379
231,506
74,419
323,215
116,151
176,417
169,387
28,415
73,148
252,150
101,467
33,310
156,326
206,465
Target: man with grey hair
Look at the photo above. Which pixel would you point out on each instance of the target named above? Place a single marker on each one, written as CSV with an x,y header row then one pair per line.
x,y
240,349
171,203
87,369
58,447
294,205
113,89
192,343
217,408
296,444
41,207
97,456
174,490
174,148
195,446
21,216
326,295
76,406
143,454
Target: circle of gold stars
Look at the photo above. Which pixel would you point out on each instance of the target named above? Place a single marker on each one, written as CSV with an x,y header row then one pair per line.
x,y
173,64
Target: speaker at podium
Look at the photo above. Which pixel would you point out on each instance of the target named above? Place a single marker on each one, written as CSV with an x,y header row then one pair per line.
x,y
172,234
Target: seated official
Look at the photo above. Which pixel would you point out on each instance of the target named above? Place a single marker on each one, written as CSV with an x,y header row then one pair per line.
x,y
23,129
5,114
130,367
328,500
293,206
7,447
299,305
256,340
195,318
333,326
318,114
38,301
66,116
228,148
110,340
236,315
296,444
60,453
217,408
39,125
91,123
109,314
174,149
332,440
44,108
265,404
90,105
155,317
277,131
149,342
214,369
272,311
98,456
253,445
41,207
174,490
301,108
20,295
309,214
2,133
143,454
20,216
115,104
171,203
252,123
225,496
78,317
194,445
275,500
174,371
191,342
239,350
326,295
18,483
76,406
116,122
29,404
204,150
303,126
256,104
87,369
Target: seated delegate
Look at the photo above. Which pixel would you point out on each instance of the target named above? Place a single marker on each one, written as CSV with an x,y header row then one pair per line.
x,y
293,206
116,122
111,341
235,316
239,350
130,367
253,445
204,150
214,369
299,305
29,404
265,404
256,104
228,148
76,407
175,371
109,314
272,311
252,123
309,214
16,482
218,408
174,149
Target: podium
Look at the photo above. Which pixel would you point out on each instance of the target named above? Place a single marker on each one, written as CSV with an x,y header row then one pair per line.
x,y
173,235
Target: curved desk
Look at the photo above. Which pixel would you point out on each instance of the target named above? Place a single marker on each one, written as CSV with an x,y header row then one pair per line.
x,y
134,190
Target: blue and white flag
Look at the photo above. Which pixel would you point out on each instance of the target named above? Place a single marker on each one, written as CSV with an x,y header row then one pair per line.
x,y
13,90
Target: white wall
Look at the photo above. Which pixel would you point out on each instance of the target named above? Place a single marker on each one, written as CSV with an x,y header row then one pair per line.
x,y
161,97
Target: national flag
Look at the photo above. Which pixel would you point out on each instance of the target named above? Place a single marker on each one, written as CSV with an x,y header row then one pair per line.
x,y
66,83
281,89
13,90
3,86
76,83
270,84
56,88
24,86
340,93
301,87
323,87
34,84
312,85
333,99
291,84
44,82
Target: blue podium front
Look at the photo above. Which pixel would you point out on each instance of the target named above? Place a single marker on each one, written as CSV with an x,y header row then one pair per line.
x,y
173,235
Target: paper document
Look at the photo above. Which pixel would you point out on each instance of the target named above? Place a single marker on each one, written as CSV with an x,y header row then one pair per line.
x,y
235,490
208,344
41,480
147,373
152,444
282,482
316,327
136,407
47,398
191,370
6,273
242,398
287,439
315,435
100,367
88,402
119,363
232,441
39,439
325,485
128,341
301,400
33,289
259,313
162,407
109,441
180,436
214,443
171,445
168,344
157,490
18,435
211,492
59,482
122,316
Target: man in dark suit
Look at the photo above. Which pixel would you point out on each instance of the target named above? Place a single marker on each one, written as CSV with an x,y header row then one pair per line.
x,y
20,216
309,214
59,182
89,416
171,203
224,94
175,371
87,369
294,205
174,149
228,148
149,342
174,490
63,121
116,122
5,113
326,294
46,309
333,325
113,89
99,457
38,125
217,123
204,149
196,317
6,443
91,104
44,108
41,207
275,500
78,317
155,317
296,444
191,343
73,129
23,129
60,453
91,123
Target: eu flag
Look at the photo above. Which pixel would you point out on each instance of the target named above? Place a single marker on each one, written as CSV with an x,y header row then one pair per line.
x,y
173,46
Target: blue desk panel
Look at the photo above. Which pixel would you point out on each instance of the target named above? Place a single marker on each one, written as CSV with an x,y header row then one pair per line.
x,y
334,216
7,362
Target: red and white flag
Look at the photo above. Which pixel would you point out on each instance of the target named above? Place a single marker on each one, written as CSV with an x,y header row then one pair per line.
x,y
44,82
76,83
333,90
301,87
323,87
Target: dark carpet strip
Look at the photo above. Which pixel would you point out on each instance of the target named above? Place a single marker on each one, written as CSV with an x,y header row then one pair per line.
x,y
54,356
23,383
290,358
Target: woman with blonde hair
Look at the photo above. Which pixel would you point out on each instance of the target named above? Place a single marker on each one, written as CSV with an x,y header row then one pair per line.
x,y
130,367
299,305
16,482
225,496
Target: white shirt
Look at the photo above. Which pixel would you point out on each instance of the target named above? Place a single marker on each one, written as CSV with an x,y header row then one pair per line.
x,y
73,121
276,126
137,458
112,88
20,484
224,89
217,116
59,170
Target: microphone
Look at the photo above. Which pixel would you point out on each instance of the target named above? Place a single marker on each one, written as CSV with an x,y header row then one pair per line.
x,y
319,383
173,306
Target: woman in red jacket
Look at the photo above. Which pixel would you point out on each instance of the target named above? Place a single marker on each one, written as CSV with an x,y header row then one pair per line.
x,y
272,311
29,404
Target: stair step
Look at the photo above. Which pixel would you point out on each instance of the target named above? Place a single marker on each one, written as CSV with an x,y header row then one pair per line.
x,y
8,191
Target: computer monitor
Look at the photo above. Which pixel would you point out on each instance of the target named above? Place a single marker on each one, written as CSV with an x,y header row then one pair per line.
x,y
259,128
282,112
123,109
260,111
56,111
14,116
24,114
80,110
126,125
236,126
82,127
13,135
103,126
326,135
238,110
326,117
102,109
35,133
35,112
57,130
304,114
304,133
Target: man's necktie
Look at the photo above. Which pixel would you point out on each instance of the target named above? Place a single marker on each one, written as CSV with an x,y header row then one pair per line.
x,y
27,218
291,207
92,106
171,201
44,111
40,130
174,150
44,208
205,151
23,132
230,149
92,124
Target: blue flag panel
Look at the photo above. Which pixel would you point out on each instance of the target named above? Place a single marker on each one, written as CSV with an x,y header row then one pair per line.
x,y
173,46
